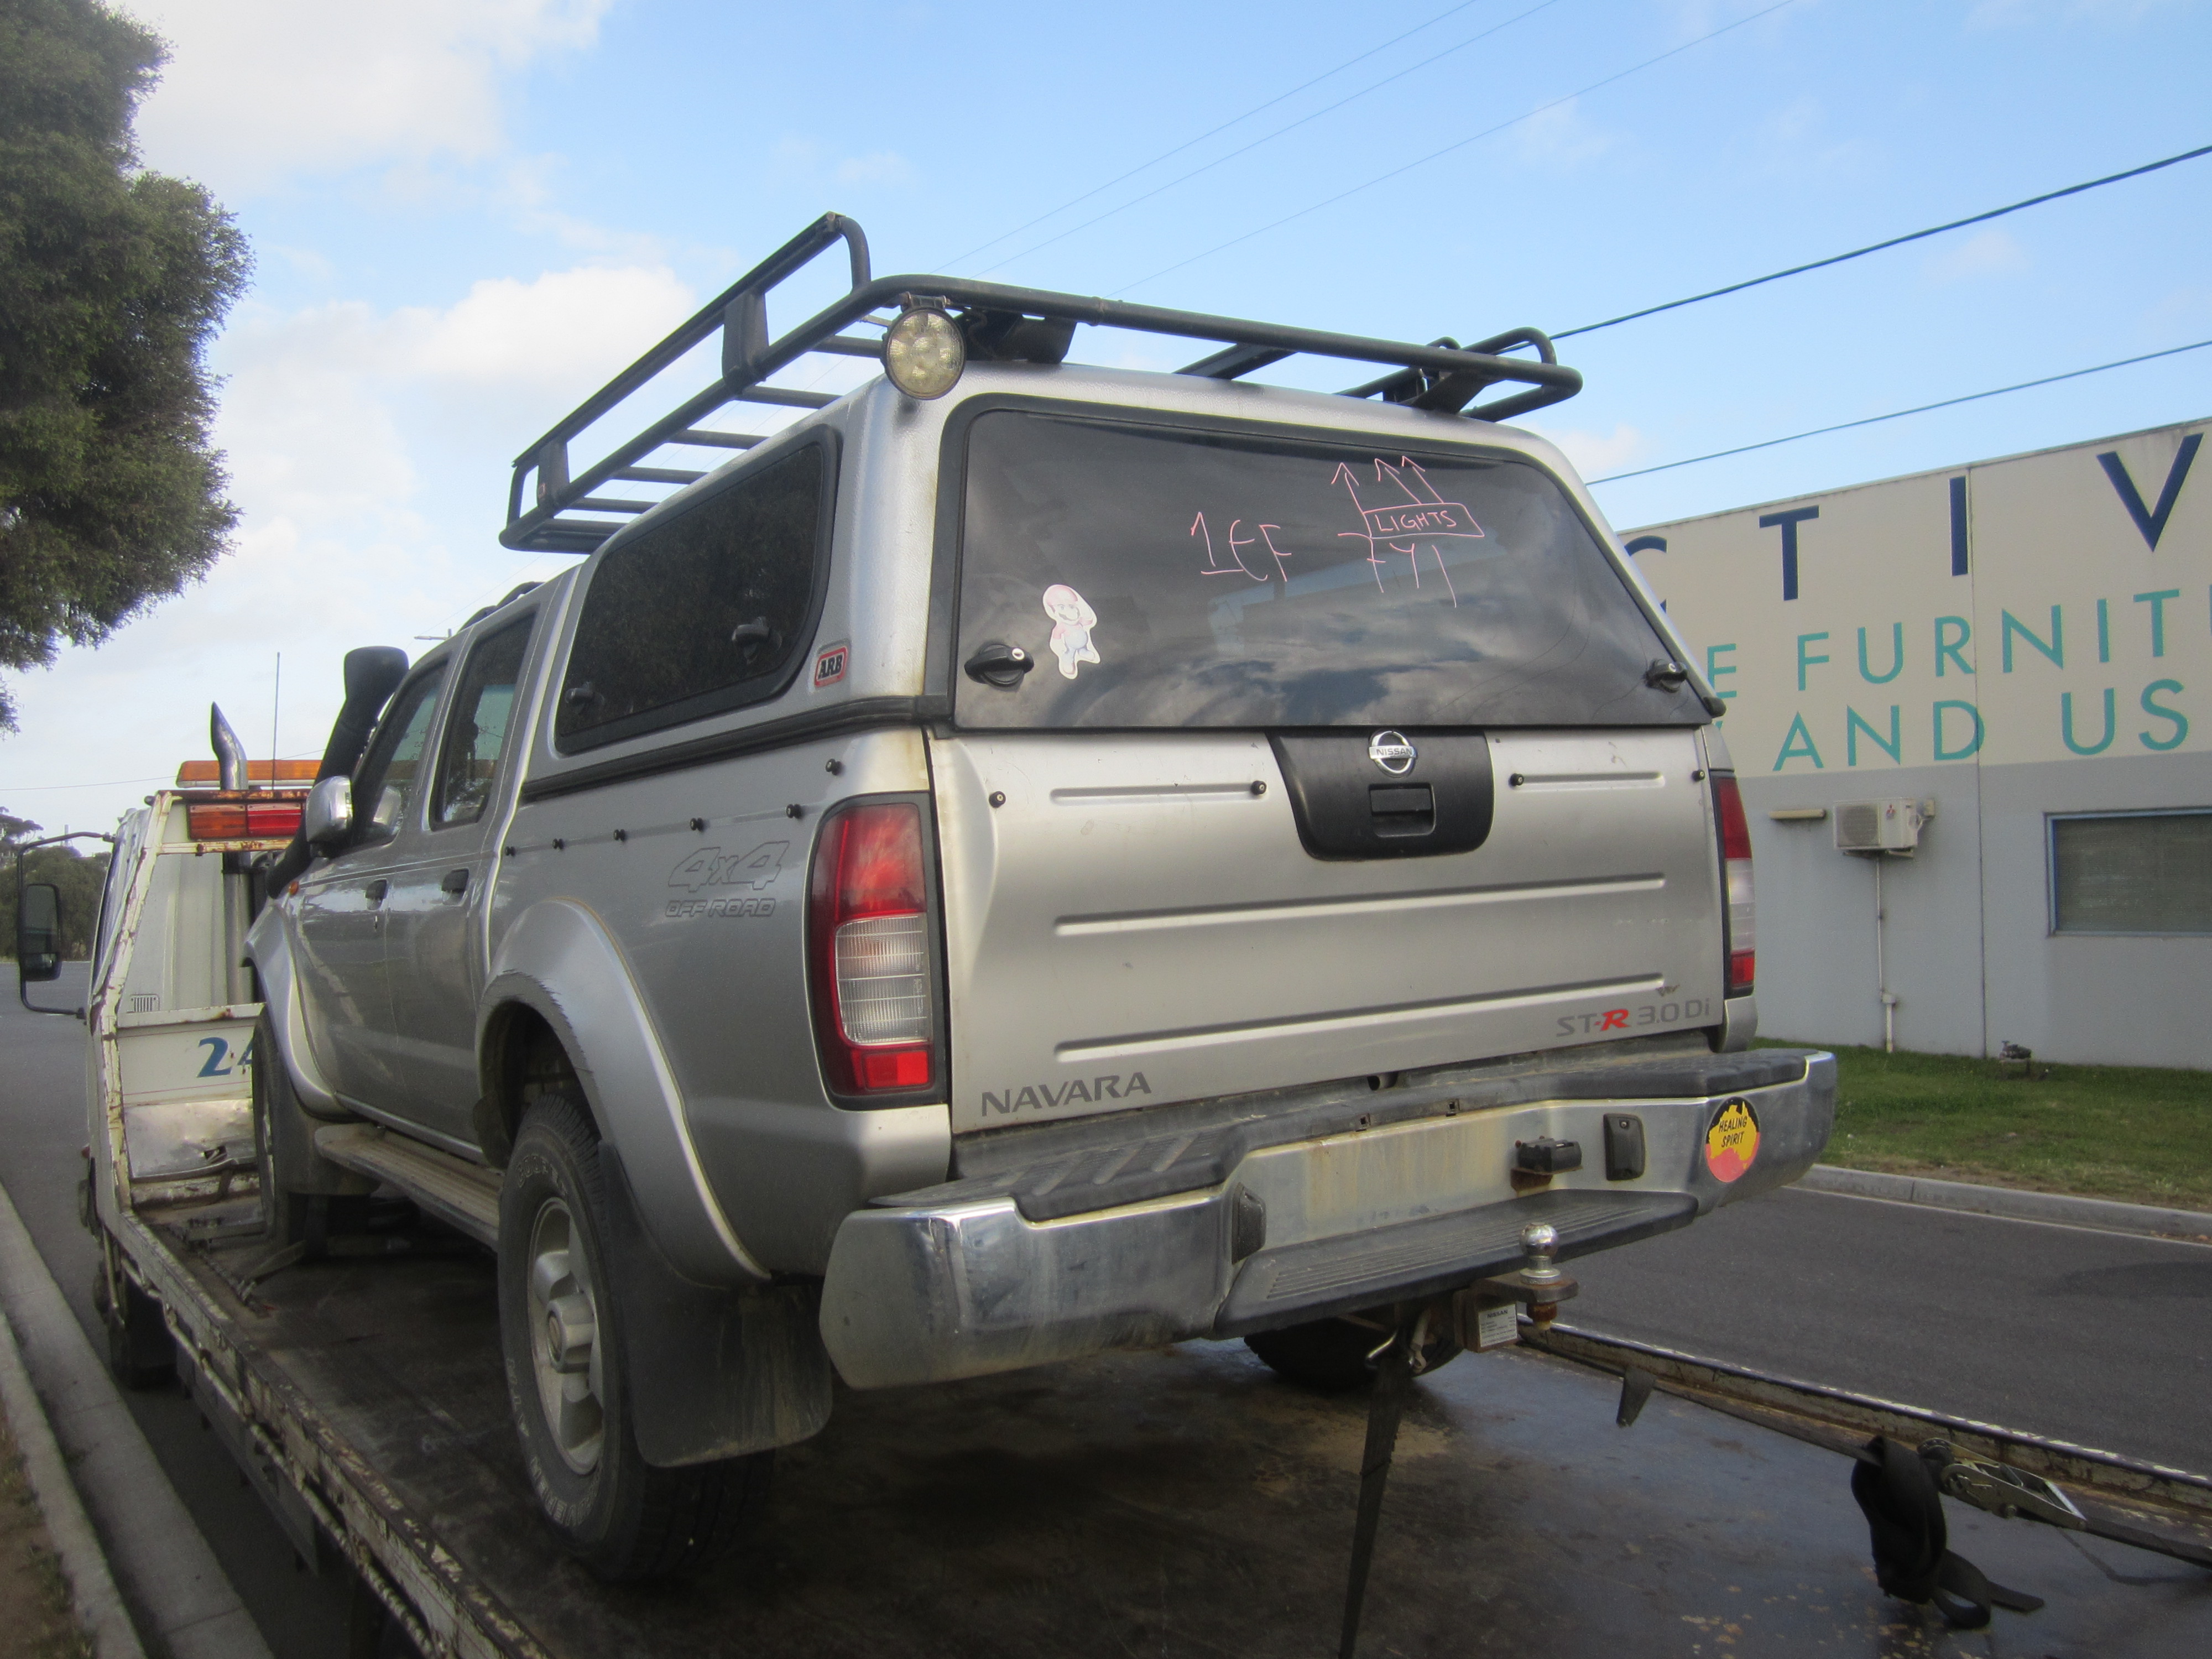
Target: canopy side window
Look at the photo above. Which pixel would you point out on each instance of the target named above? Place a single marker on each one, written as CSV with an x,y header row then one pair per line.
x,y
707,610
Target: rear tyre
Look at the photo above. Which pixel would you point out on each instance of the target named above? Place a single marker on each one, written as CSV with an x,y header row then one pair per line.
x,y
141,1352
561,1334
305,1198
1327,1355
1330,1355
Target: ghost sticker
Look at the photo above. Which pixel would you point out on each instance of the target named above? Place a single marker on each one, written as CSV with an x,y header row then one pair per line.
x,y
1072,619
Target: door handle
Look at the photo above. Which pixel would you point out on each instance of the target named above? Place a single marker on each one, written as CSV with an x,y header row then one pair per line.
x,y
456,881
376,890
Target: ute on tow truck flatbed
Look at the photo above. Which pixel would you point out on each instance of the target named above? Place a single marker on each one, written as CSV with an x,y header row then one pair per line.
x,y
1025,860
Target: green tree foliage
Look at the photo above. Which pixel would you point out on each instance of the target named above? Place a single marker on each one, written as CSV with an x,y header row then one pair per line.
x,y
112,281
79,878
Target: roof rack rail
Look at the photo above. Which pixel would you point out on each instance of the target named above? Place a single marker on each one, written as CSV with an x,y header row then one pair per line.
x,y
1441,376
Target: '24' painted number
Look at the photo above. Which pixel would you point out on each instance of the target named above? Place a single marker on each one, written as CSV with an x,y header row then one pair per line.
x,y
220,1062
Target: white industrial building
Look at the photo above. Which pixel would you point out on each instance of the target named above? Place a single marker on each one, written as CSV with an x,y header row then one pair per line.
x,y
2004,670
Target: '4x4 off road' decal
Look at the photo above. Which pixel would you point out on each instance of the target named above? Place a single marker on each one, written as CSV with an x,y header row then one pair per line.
x,y
710,867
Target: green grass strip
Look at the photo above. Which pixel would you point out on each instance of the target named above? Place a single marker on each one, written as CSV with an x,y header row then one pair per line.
x,y
2138,1133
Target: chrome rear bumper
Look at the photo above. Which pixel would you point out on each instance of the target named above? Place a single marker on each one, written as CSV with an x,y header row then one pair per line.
x,y
960,1281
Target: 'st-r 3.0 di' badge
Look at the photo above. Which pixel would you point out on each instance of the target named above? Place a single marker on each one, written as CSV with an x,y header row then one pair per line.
x,y
1732,1142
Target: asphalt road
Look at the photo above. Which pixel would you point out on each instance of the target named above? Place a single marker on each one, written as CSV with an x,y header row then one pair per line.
x,y
2101,1338
2095,1338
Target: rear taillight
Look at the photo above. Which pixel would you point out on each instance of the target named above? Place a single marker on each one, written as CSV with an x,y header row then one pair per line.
x,y
241,818
1741,938
869,948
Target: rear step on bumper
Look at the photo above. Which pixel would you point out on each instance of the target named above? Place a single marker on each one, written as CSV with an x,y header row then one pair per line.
x,y
956,1282
1417,1258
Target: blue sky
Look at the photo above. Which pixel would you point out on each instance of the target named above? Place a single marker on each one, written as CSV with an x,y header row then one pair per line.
x,y
468,212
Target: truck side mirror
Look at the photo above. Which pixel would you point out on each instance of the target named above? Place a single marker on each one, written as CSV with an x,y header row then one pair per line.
x,y
38,934
328,817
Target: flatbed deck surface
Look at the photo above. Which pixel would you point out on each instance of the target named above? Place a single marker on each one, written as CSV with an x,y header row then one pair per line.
x,y
1183,1500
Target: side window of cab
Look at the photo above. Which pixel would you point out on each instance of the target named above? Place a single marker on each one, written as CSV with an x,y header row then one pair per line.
x,y
387,780
476,730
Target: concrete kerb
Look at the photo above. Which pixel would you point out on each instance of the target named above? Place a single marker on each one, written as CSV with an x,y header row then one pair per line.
x,y
2102,1215
92,1594
155,1553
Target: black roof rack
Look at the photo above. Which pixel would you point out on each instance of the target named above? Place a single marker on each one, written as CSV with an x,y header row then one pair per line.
x,y
1441,376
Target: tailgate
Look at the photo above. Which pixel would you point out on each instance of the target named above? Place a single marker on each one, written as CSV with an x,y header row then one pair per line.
x,y
1141,921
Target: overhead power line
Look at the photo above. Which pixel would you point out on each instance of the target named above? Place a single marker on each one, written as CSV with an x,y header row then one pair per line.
x,y
1234,120
1894,241
1268,138
1458,144
1898,415
111,783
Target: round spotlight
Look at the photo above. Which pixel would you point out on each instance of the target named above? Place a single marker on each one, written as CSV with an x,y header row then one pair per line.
x,y
924,354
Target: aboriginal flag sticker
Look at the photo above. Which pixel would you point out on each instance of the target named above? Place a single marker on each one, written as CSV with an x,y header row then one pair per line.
x,y
1732,1142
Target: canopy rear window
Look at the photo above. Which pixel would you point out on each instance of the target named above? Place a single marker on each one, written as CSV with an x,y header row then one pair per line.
x,y
1172,575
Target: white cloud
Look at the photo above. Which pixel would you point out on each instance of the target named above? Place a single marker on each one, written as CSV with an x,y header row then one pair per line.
x,y
562,334
882,167
1986,253
356,440
795,159
1595,454
257,91
1560,137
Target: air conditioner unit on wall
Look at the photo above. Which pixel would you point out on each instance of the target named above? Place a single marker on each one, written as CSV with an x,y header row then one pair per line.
x,y
1879,826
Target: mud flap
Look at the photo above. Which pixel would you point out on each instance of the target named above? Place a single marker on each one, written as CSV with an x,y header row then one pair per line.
x,y
711,1373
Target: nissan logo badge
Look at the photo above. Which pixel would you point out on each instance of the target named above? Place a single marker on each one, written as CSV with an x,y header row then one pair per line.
x,y
1390,752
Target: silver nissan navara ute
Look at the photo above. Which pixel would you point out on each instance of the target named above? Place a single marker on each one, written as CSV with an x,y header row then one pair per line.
x,y
1024,860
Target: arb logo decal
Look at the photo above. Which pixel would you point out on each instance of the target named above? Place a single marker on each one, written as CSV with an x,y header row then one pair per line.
x,y
830,663
1733,1141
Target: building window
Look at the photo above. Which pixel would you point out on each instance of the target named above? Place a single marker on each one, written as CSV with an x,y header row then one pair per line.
x,y
2131,872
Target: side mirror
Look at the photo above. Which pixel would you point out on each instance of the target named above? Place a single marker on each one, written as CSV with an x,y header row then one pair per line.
x,y
38,934
327,819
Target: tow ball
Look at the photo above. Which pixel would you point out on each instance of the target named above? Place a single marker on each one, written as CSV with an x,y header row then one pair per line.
x,y
1485,1315
1539,1285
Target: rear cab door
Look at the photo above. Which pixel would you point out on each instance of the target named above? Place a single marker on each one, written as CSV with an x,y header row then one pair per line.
x,y
1331,756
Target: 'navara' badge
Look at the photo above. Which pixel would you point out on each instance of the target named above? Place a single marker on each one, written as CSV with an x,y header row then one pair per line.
x,y
1390,752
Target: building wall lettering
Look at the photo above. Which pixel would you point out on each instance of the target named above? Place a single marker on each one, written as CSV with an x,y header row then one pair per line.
x,y
2043,607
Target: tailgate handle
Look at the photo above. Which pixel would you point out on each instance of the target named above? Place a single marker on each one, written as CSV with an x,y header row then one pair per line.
x,y
1402,809
1002,666
456,882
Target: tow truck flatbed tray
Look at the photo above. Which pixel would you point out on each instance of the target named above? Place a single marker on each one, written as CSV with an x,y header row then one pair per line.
x,y
1180,1500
